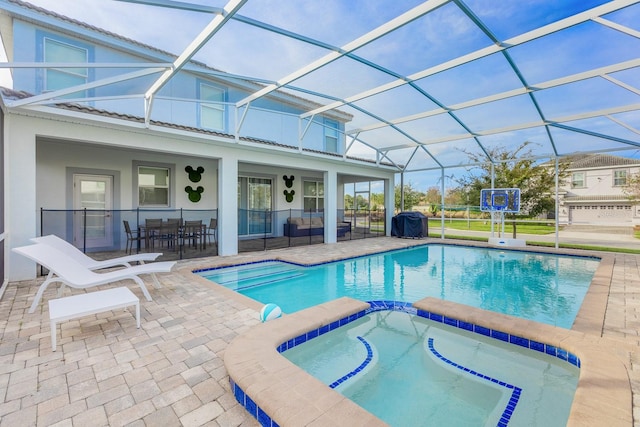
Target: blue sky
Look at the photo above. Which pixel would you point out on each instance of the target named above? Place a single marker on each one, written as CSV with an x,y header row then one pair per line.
x,y
442,35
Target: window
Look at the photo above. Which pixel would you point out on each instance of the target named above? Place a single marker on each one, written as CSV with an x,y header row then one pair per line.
x,y
619,178
330,136
61,78
313,196
577,180
153,186
212,115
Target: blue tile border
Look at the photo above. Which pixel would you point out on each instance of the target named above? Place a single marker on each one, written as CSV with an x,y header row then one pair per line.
x,y
515,391
265,420
359,369
549,349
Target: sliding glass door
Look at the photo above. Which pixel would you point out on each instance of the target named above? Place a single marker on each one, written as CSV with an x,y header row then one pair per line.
x,y
254,205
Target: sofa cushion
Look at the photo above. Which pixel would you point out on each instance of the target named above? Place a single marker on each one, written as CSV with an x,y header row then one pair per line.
x,y
296,221
316,222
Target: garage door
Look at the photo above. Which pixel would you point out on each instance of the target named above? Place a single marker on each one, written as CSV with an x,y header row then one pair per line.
x,y
593,214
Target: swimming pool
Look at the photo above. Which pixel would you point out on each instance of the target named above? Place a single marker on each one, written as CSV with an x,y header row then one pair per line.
x,y
546,288
408,370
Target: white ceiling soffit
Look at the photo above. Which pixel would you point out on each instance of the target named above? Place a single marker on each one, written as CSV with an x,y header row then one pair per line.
x,y
428,80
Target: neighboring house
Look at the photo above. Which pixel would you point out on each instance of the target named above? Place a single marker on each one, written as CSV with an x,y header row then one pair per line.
x,y
592,192
103,144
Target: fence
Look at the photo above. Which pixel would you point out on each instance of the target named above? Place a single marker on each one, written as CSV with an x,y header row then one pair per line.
x,y
102,232
265,230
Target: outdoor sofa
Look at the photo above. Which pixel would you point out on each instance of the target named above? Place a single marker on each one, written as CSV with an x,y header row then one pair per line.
x,y
311,226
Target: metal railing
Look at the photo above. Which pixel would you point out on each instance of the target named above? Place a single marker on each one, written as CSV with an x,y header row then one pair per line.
x,y
102,232
266,229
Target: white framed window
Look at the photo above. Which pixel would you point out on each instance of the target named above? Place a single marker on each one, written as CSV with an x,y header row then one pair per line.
x,y
212,113
61,78
154,186
313,196
619,178
577,180
331,136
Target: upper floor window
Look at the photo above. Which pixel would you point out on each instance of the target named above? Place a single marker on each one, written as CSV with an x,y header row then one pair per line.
x,y
330,136
313,196
153,186
619,177
577,180
212,113
61,78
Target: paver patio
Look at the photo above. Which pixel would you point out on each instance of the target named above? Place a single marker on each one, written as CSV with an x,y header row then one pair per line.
x,y
170,371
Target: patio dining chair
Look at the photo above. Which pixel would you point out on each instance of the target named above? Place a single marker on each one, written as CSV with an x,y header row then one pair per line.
x,y
132,237
193,233
151,231
169,233
213,231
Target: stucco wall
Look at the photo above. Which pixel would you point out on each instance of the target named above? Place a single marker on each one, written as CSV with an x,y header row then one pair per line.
x,y
38,160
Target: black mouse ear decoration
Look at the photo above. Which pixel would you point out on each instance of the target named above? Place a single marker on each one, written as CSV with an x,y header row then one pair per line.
x,y
288,181
195,175
194,195
289,195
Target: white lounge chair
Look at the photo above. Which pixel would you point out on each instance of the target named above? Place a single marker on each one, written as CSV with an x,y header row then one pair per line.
x,y
69,272
86,261
92,264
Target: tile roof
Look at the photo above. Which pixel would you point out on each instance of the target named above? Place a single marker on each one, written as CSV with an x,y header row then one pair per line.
x,y
598,198
588,161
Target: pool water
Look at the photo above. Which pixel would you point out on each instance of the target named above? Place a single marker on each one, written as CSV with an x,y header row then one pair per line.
x,y
408,370
546,288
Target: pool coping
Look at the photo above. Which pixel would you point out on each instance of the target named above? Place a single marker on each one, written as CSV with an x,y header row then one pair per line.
x,y
277,392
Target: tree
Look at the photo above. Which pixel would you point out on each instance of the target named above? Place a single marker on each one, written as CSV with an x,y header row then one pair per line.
x,y
516,169
411,197
433,196
348,201
377,201
632,188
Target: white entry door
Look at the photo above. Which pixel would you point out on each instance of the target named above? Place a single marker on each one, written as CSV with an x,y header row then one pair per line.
x,y
95,193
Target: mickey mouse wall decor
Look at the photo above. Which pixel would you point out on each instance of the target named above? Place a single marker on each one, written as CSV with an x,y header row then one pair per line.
x,y
289,195
194,195
195,175
288,180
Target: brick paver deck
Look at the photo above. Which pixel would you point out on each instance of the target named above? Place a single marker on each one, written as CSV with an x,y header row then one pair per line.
x,y
170,371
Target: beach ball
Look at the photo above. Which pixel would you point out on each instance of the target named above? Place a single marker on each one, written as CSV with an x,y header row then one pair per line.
x,y
269,312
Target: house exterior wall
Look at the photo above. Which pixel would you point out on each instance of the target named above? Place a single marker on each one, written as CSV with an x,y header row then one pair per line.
x,y
55,157
268,118
43,146
599,200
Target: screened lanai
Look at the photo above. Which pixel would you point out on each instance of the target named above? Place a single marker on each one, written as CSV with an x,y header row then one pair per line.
x,y
422,82
332,93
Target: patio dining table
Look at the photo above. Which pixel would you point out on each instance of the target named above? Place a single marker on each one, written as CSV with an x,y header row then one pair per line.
x,y
174,233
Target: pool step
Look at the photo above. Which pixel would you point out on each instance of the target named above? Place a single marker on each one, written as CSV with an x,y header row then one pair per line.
x,y
250,275
262,280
